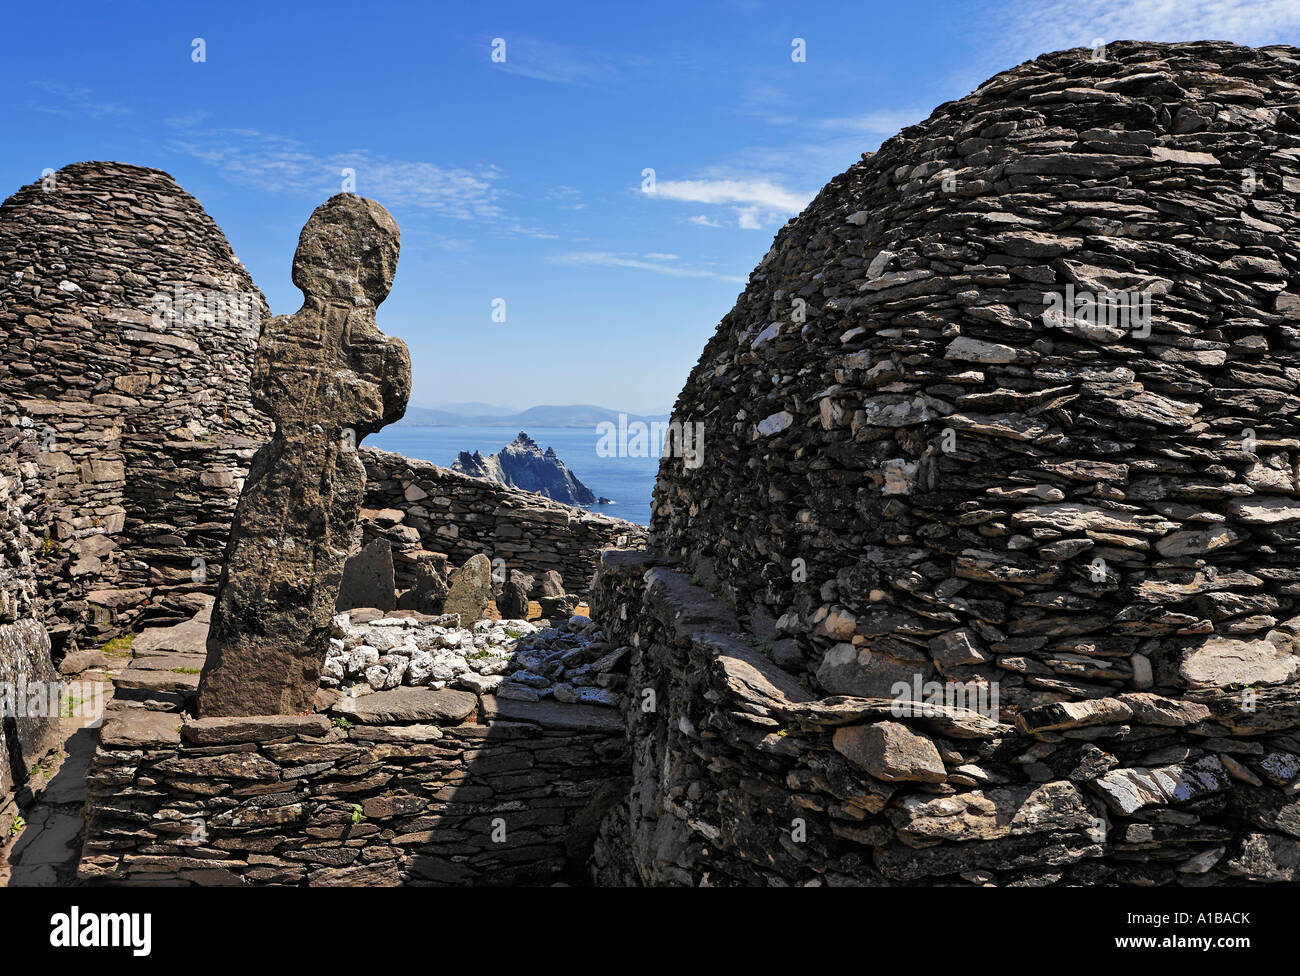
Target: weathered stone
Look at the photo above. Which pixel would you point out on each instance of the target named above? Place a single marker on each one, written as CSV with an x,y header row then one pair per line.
x,y
29,700
137,728
1223,661
368,579
549,583
254,728
513,601
1073,715
1128,790
890,751
409,705
992,814
328,377
1154,710
552,715
470,589
428,593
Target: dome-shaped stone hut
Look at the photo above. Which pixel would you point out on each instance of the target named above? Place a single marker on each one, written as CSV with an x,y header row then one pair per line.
x,y
1015,397
127,327
1005,423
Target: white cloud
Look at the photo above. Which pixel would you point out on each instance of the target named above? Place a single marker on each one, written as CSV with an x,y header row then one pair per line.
x,y
881,123
1029,28
186,119
532,57
74,101
657,256
279,164
761,192
755,202
747,219
610,259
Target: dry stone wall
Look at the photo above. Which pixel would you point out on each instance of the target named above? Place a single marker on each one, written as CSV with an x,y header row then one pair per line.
x,y
423,509
476,792
127,327
1013,401
996,526
28,723
741,776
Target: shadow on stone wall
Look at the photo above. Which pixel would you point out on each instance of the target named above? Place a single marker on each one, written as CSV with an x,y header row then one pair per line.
x,y
406,786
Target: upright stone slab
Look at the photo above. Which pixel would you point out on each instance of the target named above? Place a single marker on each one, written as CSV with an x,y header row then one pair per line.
x,y
368,578
29,701
328,377
470,590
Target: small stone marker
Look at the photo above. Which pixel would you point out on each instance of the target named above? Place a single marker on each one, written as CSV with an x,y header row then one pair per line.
x,y
470,590
328,377
513,601
368,579
428,592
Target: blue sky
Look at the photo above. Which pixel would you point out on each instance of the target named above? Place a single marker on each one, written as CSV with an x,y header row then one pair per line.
x,y
522,179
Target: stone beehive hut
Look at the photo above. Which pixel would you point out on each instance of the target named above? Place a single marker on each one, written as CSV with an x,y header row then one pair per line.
x,y
127,327
1004,422
925,462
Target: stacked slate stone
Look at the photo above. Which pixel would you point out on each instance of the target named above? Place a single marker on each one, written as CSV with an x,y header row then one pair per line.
x,y
740,776
26,733
415,793
23,512
127,327
921,463
430,514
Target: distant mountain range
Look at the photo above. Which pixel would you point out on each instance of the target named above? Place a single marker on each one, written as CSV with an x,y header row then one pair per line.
x,y
487,415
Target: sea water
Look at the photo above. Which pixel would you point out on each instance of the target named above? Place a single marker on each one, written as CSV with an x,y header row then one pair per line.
x,y
629,481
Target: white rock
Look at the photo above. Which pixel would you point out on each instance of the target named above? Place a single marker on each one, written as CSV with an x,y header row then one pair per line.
x,y
776,423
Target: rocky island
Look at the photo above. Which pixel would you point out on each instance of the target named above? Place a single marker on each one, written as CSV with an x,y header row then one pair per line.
x,y
523,465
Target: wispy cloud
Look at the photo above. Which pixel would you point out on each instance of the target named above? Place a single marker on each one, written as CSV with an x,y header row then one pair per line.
x,y
764,193
884,123
71,100
279,164
186,120
611,259
532,57
1029,27
755,202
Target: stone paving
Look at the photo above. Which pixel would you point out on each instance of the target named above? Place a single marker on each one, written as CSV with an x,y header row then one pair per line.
x,y
44,853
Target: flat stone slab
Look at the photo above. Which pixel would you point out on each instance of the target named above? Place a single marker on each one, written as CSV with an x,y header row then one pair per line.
x,y
116,599
79,661
444,705
138,729
167,662
156,680
252,728
191,637
368,578
552,714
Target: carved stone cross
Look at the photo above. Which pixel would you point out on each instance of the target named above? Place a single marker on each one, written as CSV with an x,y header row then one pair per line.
x,y
328,377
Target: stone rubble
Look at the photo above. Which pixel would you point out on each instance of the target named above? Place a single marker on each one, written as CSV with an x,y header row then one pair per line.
x,y
569,661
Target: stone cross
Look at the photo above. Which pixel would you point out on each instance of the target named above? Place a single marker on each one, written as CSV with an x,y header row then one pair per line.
x,y
327,377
